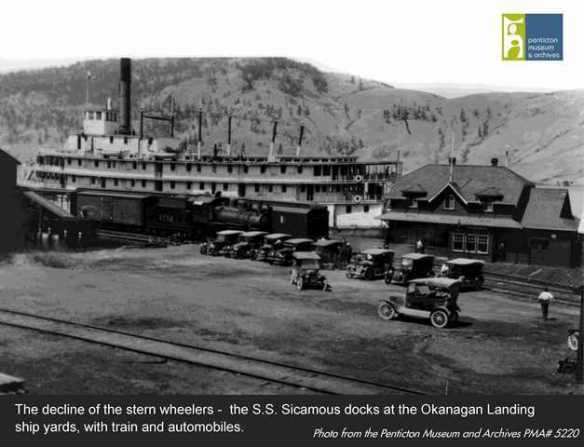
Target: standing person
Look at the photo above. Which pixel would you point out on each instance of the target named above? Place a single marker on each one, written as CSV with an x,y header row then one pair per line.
x,y
420,246
544,299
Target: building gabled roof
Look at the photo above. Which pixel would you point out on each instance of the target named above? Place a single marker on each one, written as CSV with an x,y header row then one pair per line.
x,y
469,180
549,209
7,155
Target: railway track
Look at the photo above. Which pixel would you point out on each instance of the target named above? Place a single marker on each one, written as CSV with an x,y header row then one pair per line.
x,y
513,286
271,371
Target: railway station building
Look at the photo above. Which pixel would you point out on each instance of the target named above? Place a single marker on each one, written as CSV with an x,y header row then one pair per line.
x,y
486,212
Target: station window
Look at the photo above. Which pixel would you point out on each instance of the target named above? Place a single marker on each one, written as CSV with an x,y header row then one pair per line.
x,y
348,209
69,161
317,188
93,180
457,242
262,169
483,244
449,202
113,164
270,188
299,169
245,169
326,170
132,183
470,243
225,186
283,169
79,162
111,140
98,115
317,171
172,166
229,169
189,167
73,179
143,166
150,140
198,168
302,188
116,182
125,140
143,183
189,185
134,165
214,168
256,187
201,186
172,185
284,188
96,163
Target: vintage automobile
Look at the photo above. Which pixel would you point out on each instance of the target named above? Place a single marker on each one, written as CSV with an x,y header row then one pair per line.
x,y
283,255
248,244
468,271
222,243
269,242
330,251
412,265
372,264
306,272
433,298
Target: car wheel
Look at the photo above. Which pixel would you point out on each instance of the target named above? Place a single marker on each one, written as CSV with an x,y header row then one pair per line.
x,y
439,319
573,340
300,283
369,275
348,275
386,311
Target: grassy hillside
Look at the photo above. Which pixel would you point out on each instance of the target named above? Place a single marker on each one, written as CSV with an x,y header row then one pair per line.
x,y
543,134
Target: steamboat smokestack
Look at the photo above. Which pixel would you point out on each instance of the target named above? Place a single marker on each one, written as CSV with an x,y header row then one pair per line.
x,y
125,96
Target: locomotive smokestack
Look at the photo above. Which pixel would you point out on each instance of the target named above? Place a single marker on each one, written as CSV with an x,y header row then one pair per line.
x,y
125,96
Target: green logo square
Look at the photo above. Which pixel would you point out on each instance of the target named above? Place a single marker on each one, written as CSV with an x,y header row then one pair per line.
x,y
513,37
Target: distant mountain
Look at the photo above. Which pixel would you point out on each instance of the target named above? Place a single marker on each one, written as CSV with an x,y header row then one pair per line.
x,y
542,133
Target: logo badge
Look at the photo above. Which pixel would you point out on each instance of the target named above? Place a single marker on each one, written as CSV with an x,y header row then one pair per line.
x,y
532,37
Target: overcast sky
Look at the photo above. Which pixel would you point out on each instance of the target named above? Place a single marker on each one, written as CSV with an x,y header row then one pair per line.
x,y
408,42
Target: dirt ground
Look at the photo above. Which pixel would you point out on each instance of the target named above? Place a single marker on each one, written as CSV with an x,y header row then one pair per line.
x,y
500,346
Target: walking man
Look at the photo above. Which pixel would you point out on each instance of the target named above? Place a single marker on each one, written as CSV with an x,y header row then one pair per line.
x,y
544,299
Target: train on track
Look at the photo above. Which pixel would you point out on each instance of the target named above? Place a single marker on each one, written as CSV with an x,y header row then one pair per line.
x,y
195,217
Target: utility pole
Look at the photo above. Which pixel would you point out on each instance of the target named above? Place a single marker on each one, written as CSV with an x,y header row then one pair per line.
x,y
580,363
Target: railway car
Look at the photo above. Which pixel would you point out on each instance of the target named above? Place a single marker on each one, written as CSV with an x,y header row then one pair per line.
x,y
308,221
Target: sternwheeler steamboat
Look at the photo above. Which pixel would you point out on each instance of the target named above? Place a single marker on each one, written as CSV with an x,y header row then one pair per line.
x,y
109,155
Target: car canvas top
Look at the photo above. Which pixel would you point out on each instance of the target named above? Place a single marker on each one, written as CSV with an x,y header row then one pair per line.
x,y
327,242
306,255
465,261
376,251
275,236
438,282
416,256
299,240
254,233
228,232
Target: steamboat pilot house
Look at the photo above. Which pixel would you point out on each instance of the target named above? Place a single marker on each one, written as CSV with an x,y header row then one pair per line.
x,y
109,155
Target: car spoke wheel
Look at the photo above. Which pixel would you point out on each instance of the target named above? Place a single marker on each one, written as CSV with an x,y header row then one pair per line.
x,y
573,340
386,311
439,319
